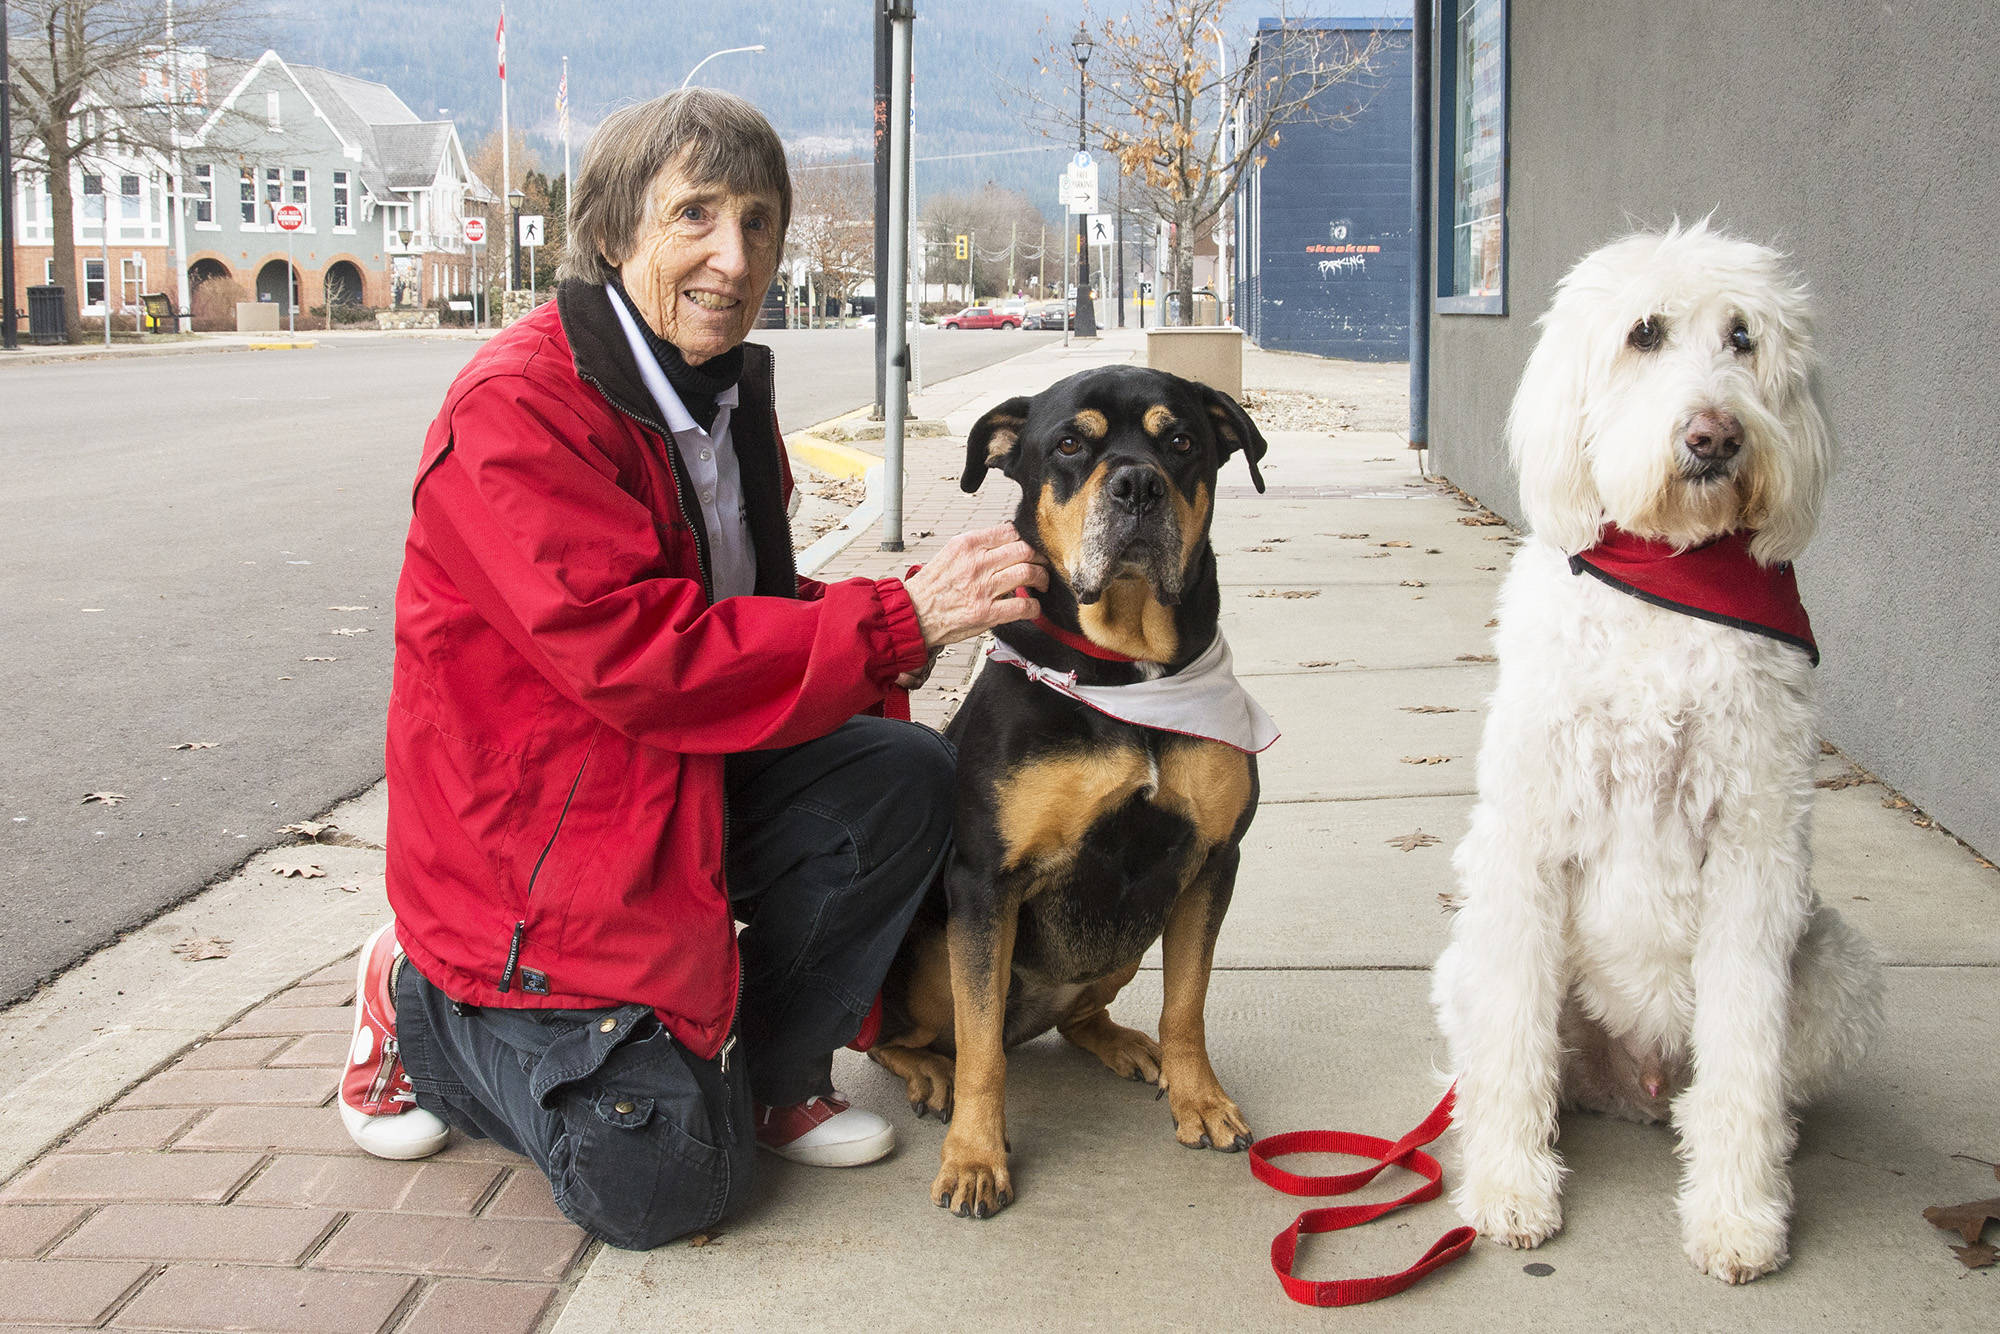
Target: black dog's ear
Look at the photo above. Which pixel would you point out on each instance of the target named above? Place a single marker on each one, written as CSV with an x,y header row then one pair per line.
x,y
992,441
1234,429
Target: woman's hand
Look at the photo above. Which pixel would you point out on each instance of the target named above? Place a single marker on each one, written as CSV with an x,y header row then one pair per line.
x,y
970,587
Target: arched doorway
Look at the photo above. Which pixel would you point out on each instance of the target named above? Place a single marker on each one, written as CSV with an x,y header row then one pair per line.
x,y
206,270
271,284
213,292
343,284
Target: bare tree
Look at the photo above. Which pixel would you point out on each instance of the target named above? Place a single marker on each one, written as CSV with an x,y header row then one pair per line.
x,y
1159,99
833,224
1005,234
90,77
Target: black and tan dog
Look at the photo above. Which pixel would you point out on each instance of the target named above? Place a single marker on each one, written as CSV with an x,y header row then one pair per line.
x,y
1081,839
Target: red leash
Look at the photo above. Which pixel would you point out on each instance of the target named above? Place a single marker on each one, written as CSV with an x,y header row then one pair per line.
x,y
1403,1153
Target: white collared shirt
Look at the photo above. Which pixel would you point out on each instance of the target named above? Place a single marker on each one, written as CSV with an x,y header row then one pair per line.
x,y
710,460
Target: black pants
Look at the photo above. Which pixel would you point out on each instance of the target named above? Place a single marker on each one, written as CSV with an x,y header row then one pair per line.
x,y
832,846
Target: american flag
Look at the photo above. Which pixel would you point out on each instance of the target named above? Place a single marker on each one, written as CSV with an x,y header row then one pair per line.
x,y
562,103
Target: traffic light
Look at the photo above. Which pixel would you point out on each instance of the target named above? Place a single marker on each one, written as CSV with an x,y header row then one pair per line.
x,y
961,246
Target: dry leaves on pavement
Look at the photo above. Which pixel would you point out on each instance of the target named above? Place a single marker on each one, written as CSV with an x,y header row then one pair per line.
x,y
106,798
1398,542
1286,593
1969,1221
319,659
1427,759
295,868
196,745
329,833
1483,519
202,947
350,630
1411,842
1430,708
1477,657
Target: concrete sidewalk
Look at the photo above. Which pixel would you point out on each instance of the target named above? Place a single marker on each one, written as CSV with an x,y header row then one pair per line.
x,y
202,1180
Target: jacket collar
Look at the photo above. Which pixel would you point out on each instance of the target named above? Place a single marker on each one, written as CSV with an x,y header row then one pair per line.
x,y
603,359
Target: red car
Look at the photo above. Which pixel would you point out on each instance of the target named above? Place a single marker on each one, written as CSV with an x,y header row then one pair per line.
x,y
981,317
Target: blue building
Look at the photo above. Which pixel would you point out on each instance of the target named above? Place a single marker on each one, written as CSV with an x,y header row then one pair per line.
x,y
1325,260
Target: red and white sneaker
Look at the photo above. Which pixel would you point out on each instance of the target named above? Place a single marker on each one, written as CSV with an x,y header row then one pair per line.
x,y
377,1104
824,1132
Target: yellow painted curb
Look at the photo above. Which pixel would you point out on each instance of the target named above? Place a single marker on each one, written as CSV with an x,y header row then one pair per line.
x,y
831,458
279,347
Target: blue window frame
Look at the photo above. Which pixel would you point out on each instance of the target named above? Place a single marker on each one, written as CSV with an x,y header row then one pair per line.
x,y
1472,157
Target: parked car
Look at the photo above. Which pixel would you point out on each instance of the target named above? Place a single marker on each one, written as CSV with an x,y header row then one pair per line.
x,y
1015,306
981,317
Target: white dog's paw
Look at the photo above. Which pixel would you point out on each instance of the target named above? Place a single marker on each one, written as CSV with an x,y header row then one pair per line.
x,y
1735,1250
1521,1219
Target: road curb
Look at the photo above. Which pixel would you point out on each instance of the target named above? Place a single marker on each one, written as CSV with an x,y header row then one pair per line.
x,y
280,347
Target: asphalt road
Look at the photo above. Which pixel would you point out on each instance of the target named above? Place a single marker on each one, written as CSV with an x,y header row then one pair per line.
x,y
204,549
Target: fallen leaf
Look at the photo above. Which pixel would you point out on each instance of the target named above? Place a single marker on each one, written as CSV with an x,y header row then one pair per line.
x,y
1323,662
708,1238
1976,1256
1286,593
1414,583
202,947
1477,657
350,630
295,869
1430,708
351,888
1967,1220
1433,551
308,828
1828,748
1411,842
319,659
1484,519
1923,822
1351,536
1427,759
1486,567
196,745
1259,548
1277,539
350,609
107,798
1852,778
1896,802
1376,555
1493,624
1396,542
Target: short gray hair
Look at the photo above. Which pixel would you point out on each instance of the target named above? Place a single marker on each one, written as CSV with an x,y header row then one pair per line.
x,y
716,138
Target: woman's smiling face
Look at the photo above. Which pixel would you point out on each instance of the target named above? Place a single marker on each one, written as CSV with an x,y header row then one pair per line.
x,y
701,262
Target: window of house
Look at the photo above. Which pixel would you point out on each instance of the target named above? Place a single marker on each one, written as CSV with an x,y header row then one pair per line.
x,y
129,203
204,194
30,200
1472,157
342,198
131,279
274,194
49,271
271,111
246,193
301,191
93,282
94,202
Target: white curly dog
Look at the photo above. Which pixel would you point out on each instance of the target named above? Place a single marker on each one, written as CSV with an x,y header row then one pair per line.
x,y
1637,932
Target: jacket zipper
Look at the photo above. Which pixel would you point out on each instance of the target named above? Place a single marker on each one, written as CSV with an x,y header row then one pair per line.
x,y
521,926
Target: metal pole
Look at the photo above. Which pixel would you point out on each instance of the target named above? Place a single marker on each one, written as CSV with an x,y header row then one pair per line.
x,y
1420,227
506,166
1069,316
881,179
177,199
104,248
902,13
291,288
10,337
1118,232
1086,314
1223,290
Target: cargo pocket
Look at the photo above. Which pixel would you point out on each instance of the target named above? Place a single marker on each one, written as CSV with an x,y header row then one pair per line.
x,y
644,1153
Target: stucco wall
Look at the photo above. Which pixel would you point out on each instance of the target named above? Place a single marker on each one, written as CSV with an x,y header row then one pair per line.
x,y
1859,138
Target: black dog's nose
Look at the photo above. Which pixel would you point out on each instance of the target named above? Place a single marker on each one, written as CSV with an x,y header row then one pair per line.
x,y
1714,435
1138,488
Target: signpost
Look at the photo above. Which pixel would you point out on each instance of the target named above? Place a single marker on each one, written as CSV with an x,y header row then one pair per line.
x,y
532,232
290,217
475,236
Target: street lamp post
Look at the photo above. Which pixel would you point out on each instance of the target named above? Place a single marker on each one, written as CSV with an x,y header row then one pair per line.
x,y
1086,314
726,51
514,198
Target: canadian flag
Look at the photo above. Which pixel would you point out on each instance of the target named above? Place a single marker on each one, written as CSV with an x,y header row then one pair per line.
x,y
500,36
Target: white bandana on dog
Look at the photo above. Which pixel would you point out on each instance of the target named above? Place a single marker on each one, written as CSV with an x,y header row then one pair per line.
x,y
1203,699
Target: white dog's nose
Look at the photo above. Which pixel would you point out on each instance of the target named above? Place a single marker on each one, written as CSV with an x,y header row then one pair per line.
x,y
1714,436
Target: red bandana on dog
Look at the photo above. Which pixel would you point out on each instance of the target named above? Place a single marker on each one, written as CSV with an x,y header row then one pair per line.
x,y
1717,581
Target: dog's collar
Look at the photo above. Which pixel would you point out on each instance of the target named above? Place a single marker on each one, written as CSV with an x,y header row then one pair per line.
x,y
1071,639
1718,581
1203,700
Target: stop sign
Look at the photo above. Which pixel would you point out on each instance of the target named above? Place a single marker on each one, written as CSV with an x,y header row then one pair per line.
x,y
475,230
291,217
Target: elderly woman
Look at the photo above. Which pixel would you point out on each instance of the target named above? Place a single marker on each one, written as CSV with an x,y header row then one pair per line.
x,y
621,724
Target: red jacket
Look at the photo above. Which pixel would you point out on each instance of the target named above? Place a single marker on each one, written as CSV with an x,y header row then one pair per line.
x,y
565,693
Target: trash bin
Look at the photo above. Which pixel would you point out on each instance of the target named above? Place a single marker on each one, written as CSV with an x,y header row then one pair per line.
x,y
48,316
